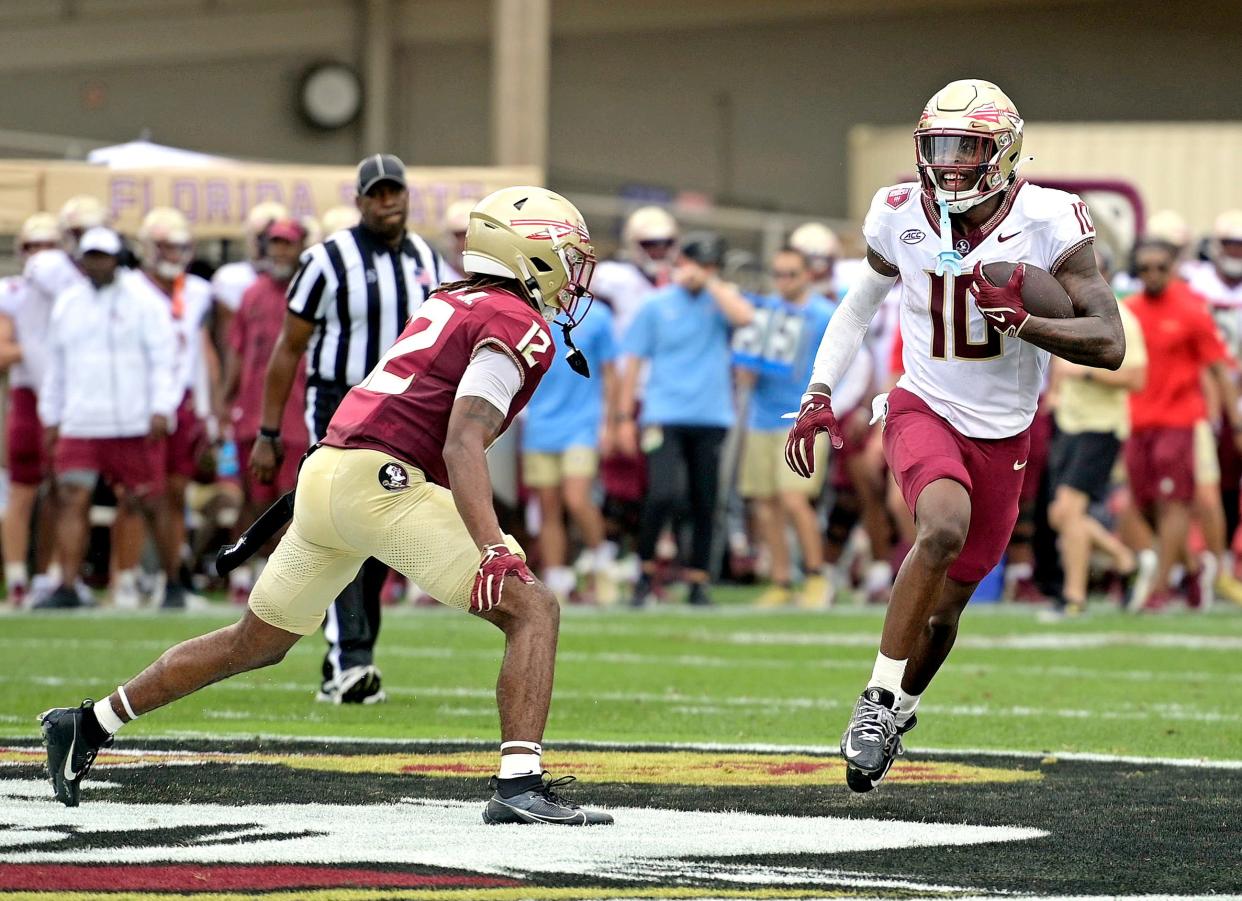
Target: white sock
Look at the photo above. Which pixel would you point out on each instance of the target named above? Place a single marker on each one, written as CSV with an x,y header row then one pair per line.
x,y
561,579
832,573
241,578
1016,572
107,718
15,574
887,674
905,707
513,766
879,576
604,556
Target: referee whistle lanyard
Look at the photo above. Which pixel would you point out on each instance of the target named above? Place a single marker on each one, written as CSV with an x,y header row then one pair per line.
x,y
948,260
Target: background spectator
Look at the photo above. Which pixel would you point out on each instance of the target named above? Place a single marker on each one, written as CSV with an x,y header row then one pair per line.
x,y
166,247
231,280
252,336
1182,344
777,350
683,333
568,422
24,316
107,401
1092,419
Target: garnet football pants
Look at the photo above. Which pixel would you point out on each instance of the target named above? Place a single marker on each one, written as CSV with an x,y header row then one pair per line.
x,y
684,476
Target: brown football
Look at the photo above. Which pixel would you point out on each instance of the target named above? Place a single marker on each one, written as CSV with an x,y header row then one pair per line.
x,y
1042,295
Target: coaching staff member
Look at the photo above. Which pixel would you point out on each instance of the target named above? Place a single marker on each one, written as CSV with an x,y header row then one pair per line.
x,y
348,301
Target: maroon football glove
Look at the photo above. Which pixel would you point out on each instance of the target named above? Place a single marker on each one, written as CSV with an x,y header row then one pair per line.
x,y
815,416
489,582
1001,306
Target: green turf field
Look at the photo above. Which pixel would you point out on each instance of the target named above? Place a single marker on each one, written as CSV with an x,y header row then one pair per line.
x,y
1123,775
1167,685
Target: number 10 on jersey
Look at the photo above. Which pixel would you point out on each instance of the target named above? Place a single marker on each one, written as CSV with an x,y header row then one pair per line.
x,y
963,348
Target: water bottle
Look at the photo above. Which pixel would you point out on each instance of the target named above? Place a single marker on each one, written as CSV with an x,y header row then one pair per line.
x,y
226,461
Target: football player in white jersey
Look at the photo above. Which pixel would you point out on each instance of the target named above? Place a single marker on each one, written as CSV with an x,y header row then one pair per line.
x,y
24,316
955,432
166,246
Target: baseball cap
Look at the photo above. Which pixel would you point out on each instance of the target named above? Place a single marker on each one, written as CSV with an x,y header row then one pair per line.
x,y
100,240
377,168
704,247
288,229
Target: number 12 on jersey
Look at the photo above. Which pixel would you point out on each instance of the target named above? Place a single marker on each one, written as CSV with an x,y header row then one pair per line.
x,y
963,348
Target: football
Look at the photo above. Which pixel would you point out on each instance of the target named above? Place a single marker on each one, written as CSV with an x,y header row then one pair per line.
x,y
1042,294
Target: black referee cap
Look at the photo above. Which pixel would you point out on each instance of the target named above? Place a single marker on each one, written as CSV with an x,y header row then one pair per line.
x,y
380,167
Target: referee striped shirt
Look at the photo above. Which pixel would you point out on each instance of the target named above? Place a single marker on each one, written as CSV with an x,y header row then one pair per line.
x,y
360,292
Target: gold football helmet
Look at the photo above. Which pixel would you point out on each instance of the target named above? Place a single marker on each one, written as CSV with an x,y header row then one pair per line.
x,y
967,143
165,243
338,218
261,215
537,237
38,232
78,214
1226,245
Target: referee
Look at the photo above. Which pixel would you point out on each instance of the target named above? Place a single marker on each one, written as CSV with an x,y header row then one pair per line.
x,y
348,301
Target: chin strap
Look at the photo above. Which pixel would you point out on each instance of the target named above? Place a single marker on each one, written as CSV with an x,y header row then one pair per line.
x,y
948,260
574,357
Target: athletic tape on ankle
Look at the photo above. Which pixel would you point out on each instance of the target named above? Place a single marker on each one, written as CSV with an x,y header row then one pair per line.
x,y
533,747
129,711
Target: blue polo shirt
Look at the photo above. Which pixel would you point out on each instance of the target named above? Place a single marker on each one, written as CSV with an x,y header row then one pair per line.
x,y
686,339
566,410
780,345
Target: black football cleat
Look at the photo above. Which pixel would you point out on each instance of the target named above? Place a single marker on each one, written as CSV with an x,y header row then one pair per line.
x,y
541,805
872,740
69,754
861,782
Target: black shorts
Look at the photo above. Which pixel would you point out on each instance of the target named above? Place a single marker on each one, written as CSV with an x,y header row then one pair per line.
x,y
1084,461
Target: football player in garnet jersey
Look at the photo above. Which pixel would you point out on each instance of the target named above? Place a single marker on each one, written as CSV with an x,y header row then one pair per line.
x,y
955,430
401,476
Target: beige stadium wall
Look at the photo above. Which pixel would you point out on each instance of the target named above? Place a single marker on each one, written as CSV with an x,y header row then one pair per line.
x,y
752,115
1190,167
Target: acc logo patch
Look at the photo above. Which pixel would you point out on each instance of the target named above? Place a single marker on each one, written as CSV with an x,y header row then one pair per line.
x,y
897,196
393,477
912,236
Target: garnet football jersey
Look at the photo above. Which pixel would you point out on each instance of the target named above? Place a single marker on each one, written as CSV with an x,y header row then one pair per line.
x,y
403,406
985,385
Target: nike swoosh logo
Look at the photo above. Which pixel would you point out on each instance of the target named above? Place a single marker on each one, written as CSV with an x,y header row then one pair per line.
x,y
1001,239
1017,465
850,751
70,775
995,317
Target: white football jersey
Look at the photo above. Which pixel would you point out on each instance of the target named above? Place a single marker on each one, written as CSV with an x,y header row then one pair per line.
x,y
1225,301
196,303
231,281
45,276
624,286
985,385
